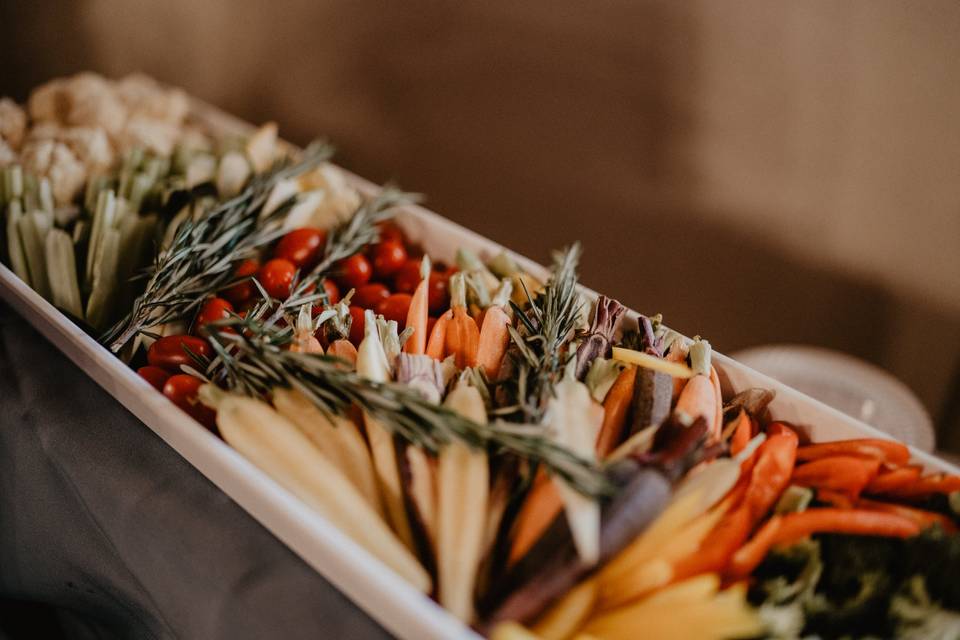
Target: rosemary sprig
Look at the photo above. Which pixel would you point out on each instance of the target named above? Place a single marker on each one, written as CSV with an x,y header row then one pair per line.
x,y
204,251
538,352
254,360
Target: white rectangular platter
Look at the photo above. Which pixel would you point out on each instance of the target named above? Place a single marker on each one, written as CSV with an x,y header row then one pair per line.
x,y
373,587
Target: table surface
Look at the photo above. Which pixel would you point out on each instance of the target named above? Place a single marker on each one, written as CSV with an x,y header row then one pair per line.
x,y
104,522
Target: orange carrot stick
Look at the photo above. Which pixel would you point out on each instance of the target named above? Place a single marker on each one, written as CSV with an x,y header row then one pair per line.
x,y
749,556
893,480
741,433
616,407
920,517
493,341
785,530
840,473
852,521
419,312
837,499
344,350
927,486
438,336
885,450
541,506
719,546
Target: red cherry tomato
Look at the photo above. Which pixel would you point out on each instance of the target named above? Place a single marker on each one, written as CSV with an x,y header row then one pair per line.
x,y
354,272
369,295
213,310
388,257
302,247
395,308
277,277
182,390
407,277
169,352
357,324
240,293
438,292
156,376
332,290
389,231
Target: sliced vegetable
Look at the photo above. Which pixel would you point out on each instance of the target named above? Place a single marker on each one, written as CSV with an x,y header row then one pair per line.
x,y
647,361
62,273
888,451
462,488
281,450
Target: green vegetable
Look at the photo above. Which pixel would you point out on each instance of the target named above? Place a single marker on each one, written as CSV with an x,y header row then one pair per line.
x,y
62,272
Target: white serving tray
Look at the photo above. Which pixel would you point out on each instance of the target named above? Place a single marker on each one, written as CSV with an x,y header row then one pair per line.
x,y
371,585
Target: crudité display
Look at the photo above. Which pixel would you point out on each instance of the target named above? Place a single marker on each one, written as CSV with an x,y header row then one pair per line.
x,y
540,464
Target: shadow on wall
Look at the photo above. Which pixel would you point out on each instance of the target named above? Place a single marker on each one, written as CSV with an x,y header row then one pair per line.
x,y
537,124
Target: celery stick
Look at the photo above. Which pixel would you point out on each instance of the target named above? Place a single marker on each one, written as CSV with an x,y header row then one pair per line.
x,y
62,272
33,229
18,260
102,221
99,306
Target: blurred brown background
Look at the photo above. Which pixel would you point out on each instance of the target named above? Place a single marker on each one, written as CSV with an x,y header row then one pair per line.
x,y
759,172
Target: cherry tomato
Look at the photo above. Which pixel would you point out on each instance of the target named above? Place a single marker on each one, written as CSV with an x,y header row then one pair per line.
x,y
154,375
243,292
389,231
388,257
357,324
407,277
395,308
182,390
212,310
438,291
369,295
277,277
169,352
354,272
332,290
302,247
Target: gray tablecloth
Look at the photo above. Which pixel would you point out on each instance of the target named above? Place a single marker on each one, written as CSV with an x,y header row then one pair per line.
x,y
119,537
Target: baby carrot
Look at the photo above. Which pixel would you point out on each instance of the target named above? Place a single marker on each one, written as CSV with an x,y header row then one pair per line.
x,y
542,504
616,407
921,518
344,350
493,341
418,314
438,336
741,433
852,521
893,480
699,399
719,546
463,335
887,451
749,556
927,486
848,474
718,405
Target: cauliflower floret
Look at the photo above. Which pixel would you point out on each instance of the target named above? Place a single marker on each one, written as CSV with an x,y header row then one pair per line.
x,y
44,131
92,102
144,96
13,123
55,161
48,102
91,146
152,134
7,155
194,138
